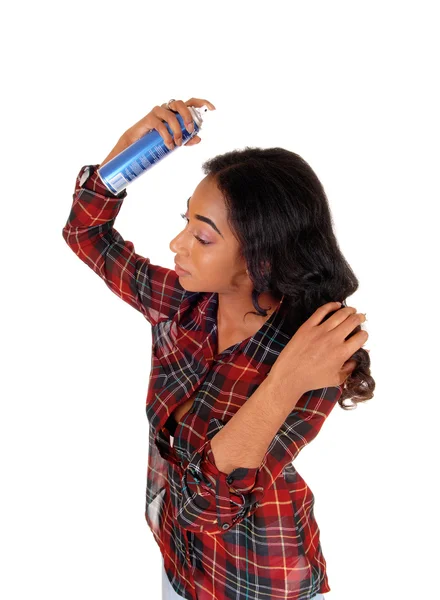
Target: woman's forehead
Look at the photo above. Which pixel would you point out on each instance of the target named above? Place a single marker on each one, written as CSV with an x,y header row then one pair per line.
x,y
207,200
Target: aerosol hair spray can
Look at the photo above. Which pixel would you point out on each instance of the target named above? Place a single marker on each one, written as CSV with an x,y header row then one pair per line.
x,y
143,154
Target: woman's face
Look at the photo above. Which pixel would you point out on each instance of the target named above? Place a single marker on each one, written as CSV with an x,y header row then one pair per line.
x,y
209,250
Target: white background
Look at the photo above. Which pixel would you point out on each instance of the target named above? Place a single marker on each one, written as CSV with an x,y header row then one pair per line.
x,y
349,86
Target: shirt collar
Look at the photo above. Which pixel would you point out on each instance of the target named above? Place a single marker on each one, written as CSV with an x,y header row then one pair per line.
x,y
262,349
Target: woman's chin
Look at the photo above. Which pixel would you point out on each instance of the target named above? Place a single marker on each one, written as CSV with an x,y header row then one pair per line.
x,y
185,282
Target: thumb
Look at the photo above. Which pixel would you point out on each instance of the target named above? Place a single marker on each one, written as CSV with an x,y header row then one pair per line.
x,y
193,141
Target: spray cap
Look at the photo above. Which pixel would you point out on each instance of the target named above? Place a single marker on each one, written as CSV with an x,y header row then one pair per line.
x,y
197,113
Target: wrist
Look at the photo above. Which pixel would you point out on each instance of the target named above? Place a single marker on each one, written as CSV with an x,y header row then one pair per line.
x,y
285,390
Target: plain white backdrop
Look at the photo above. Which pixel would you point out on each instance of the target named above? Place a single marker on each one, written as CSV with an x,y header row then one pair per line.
x,y
352,88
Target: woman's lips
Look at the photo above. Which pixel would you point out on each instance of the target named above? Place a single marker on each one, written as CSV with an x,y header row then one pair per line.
x,y
181,271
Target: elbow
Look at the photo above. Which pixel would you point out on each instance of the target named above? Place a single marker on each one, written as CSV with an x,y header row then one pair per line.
x,y
207,501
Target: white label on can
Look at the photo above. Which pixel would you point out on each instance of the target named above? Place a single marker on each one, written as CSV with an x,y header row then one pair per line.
x,y
118,181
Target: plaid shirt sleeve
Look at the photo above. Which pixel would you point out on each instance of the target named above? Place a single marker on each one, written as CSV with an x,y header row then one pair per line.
x,y
214,501
153,290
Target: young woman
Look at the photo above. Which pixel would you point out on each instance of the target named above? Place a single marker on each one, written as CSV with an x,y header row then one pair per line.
x,y
252,347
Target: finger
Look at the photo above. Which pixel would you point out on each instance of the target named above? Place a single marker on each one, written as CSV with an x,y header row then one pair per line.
x,y
198,102
346,371
322,312
193,141
345,328
185,113
160,127
171,119
349,366
338,317
353,344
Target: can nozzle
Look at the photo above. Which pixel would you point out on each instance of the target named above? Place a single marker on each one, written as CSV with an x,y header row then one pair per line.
x,y
199,111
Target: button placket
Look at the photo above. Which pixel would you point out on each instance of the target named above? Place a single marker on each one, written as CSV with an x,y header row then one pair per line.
x,y
224,514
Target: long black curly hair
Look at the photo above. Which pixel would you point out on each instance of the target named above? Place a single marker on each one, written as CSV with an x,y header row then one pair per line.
x,y
279,212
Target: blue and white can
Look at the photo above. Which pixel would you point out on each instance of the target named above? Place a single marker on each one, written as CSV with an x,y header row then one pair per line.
x,y
146,152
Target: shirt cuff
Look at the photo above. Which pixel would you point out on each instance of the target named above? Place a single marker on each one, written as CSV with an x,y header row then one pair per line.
x,y
230,493
89,179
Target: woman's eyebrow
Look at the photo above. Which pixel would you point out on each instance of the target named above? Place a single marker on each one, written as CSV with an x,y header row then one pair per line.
x,y
205,219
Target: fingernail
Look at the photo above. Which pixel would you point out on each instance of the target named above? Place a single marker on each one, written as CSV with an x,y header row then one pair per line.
x,y
190,127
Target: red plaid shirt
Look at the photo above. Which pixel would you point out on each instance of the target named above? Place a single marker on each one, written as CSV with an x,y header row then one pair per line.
x,y
249,534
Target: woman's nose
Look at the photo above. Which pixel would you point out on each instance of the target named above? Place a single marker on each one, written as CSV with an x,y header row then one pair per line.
x,y
175,243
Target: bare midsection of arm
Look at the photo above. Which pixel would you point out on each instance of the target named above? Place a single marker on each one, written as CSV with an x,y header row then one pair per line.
x,y
245,439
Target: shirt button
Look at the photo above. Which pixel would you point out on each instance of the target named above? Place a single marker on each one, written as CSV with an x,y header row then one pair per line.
x,y
225,526
229,479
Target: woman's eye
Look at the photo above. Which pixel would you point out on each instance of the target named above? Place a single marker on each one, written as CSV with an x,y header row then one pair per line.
x,y
197,238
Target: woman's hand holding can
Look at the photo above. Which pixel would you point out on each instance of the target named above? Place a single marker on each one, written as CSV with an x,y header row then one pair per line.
x,y
160,115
